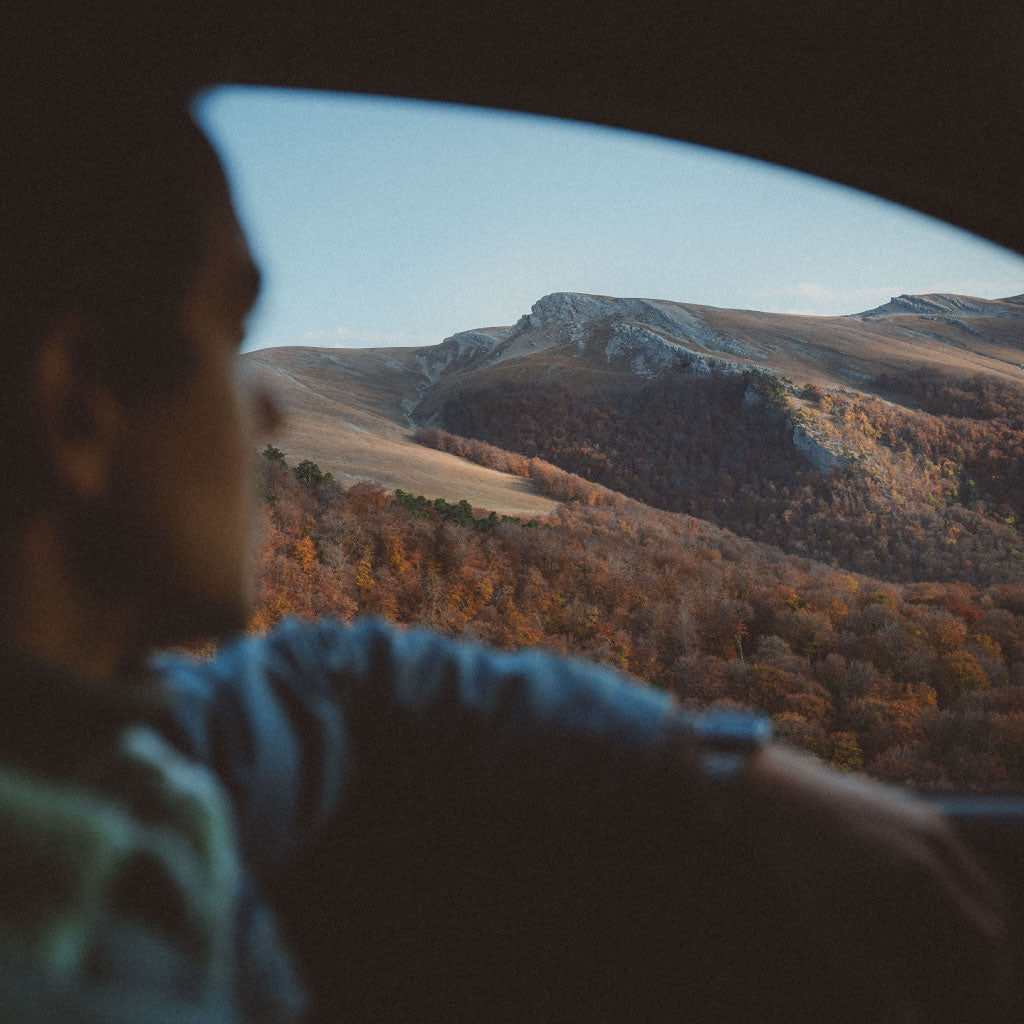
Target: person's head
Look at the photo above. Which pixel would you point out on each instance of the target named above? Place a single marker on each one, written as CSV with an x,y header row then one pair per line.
x,y
127,437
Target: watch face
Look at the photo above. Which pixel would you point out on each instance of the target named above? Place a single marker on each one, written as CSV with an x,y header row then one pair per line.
x,y
726,729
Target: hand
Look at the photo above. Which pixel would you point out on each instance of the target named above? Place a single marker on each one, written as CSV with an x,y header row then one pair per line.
x,y
875,899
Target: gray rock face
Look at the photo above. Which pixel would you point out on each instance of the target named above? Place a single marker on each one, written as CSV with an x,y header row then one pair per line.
x,y
821,458
580,311
565,309
650,355
572,317
459,351
939,303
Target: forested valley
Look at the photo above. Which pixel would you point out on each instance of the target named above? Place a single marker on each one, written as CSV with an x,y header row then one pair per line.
x,y
913,681
913,494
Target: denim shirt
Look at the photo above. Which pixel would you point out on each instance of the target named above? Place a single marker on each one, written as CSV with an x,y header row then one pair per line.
x,y
290,721
462,797
239,764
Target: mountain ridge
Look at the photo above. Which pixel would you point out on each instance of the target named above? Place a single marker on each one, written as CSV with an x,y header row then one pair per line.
x,y
944,302
354,410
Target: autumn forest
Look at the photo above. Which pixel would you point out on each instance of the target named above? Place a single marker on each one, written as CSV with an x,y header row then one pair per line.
x,y
874,608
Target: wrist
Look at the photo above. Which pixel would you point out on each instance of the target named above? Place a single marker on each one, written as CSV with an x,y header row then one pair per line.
x,y
726,741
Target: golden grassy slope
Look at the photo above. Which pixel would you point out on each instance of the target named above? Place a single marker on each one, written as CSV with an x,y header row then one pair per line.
x,y
344,411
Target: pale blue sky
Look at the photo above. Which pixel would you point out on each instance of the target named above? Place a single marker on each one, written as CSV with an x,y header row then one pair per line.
x,y
380,221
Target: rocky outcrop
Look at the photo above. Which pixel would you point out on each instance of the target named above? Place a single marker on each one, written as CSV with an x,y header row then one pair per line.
x,y
820,457
564,310
649,354
459,351
942,304
576,318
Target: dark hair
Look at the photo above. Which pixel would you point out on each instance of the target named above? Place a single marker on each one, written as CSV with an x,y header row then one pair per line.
x,y
105,194
105,218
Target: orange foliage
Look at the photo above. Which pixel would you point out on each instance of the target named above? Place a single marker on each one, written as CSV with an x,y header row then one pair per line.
x,y
915,683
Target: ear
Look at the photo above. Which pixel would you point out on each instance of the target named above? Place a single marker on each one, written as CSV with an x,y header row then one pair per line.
x,y
80,420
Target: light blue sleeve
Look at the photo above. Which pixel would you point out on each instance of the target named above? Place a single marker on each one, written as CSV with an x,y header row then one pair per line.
x,y
294,720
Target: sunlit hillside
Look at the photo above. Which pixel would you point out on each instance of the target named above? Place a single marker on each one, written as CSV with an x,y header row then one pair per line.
x,y
354,410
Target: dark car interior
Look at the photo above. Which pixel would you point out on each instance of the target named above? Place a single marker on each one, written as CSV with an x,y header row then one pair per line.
x,y
920,104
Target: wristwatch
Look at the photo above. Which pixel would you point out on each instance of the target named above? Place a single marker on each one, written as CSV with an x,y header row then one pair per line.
x,y
727,739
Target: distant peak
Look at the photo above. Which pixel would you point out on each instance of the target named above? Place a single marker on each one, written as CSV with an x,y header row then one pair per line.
x,y
566,309
571,304
935,303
